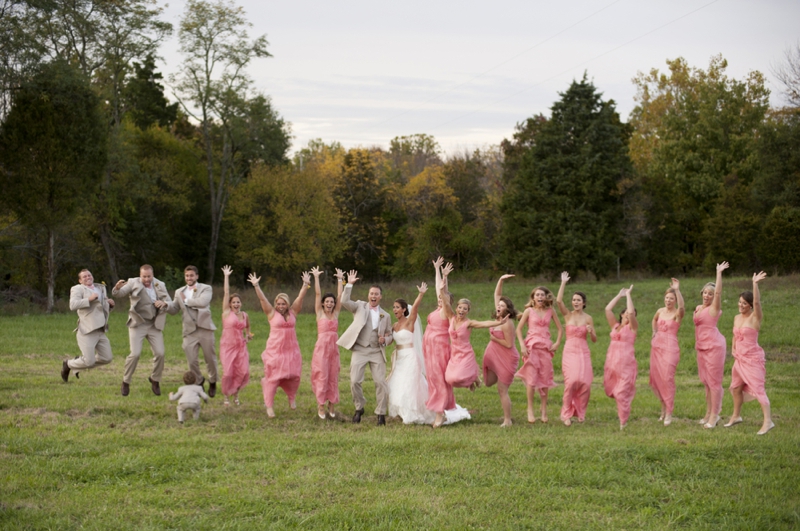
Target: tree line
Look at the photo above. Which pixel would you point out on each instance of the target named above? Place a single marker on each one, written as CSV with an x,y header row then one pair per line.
x,y
99,169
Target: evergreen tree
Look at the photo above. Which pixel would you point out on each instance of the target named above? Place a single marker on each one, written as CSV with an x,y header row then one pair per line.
x,y
144,97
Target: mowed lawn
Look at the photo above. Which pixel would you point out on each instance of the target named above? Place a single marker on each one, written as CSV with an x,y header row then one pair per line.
x,y
79,455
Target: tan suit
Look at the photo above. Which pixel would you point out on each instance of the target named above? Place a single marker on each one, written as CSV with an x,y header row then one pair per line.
x,y
362,339
198,328
144,322
92,327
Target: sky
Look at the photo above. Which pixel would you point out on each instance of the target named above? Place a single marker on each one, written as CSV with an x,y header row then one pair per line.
x,y
466,72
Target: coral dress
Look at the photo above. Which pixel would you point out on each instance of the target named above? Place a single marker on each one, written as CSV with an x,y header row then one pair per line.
x,y
711,349
664,357
749,370
619,377
462,370
576,365
233,354
282,360
503,361
537,367
325,362
436,348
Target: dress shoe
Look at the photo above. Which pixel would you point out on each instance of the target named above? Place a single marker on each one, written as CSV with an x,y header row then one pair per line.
x,y
126,389
381,420
357,416
212,389
155,386
202,383
65,371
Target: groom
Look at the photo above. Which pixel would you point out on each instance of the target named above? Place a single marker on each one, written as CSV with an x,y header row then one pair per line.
x,y
367,337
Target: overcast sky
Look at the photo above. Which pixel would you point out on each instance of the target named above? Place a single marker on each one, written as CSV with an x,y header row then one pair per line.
x,y
362,72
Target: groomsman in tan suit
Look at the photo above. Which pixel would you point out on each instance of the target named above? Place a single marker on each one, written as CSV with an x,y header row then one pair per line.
x,y
198,329
93,306
367,337
146,319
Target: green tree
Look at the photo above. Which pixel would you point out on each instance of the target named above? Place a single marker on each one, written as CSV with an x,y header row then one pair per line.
x,y
52,154
144,98
562,209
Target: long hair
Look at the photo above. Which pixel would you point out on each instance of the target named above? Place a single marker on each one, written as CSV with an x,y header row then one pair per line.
x,y
548,297
510,310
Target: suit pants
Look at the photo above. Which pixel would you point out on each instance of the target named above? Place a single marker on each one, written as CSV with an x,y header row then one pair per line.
x,y
193,406
363,356
137,335
95,350
201,339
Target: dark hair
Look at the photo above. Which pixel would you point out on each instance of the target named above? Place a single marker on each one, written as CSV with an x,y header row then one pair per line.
x,y
189,378
510,310
548,297
635,313
377,286
146,266
748,297
331,295
403,304
81,271
582,295
191,268
232,296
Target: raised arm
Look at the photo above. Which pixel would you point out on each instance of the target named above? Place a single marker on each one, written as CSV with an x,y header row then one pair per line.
x,y
498,290
610,317
759,315
716,303
269,311
437,266
560,298
631,311
676,285
339,289
446,307
226,291
412,315
522,322
317,293
297,305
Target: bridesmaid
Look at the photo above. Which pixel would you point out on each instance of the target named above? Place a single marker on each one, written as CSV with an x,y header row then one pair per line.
x,y
233,343
462,369
282,360
749,371
710,346
436,349
619,377
501,358
537,367
664,350
576,360
325,360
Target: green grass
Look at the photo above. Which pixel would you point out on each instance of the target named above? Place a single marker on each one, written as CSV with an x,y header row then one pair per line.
x,y
82,456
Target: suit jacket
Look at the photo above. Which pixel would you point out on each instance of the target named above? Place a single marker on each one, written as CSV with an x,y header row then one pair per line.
x,y
136,291
91,314
361,311
196,311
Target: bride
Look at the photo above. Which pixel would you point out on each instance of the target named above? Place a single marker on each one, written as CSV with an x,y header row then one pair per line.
x,y
408,389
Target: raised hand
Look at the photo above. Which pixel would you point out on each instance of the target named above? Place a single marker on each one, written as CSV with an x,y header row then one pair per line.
x,y
352,276
630,289
226,270
564,277
316,271
504,277
253,279
339,274
306,278
422,287
675,284
623,292
758,277
447,269
438,262
722,267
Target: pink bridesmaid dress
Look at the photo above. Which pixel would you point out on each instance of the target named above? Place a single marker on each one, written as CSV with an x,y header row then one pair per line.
x,y
576,365
537,368
711,349
233,354
462,369
282,360
503,361
436,349
749,370
664,357
619,375
325,362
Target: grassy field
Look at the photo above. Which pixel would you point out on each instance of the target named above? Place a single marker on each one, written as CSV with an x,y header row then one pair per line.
x,y
82,456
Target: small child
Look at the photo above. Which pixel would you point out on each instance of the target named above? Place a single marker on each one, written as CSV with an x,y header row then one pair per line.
x,y
190,395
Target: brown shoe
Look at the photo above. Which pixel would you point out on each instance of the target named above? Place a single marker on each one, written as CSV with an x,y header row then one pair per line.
x,y
155,386
65,371
126,389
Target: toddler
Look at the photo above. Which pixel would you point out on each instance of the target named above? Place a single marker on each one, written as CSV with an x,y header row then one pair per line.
x,y
189,395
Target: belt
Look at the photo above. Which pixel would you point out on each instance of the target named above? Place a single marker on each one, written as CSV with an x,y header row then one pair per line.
x,y
404,346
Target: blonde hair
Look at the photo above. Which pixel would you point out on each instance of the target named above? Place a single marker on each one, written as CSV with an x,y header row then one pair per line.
x,y
548,297
465,301
284,297
710,286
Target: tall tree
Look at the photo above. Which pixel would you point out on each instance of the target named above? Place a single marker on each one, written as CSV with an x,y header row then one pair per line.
x,y
562,208
788,73
144,98
214,88
52,154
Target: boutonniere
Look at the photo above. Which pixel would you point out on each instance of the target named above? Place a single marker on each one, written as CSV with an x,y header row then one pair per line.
x,y
156,284
195,290
381,316
103,282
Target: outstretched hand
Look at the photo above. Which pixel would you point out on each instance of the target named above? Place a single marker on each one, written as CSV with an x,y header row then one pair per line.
x,y
352,276
758,277
316,271
623,292
630,289
306,278
675,284
339,274
422,287
253,279
447,269
564,277
438,262
722,267
504,277
226,270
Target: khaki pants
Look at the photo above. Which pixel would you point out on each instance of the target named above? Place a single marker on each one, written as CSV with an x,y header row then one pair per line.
x,y
137,336
201,339
377,365
194,406
90,344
